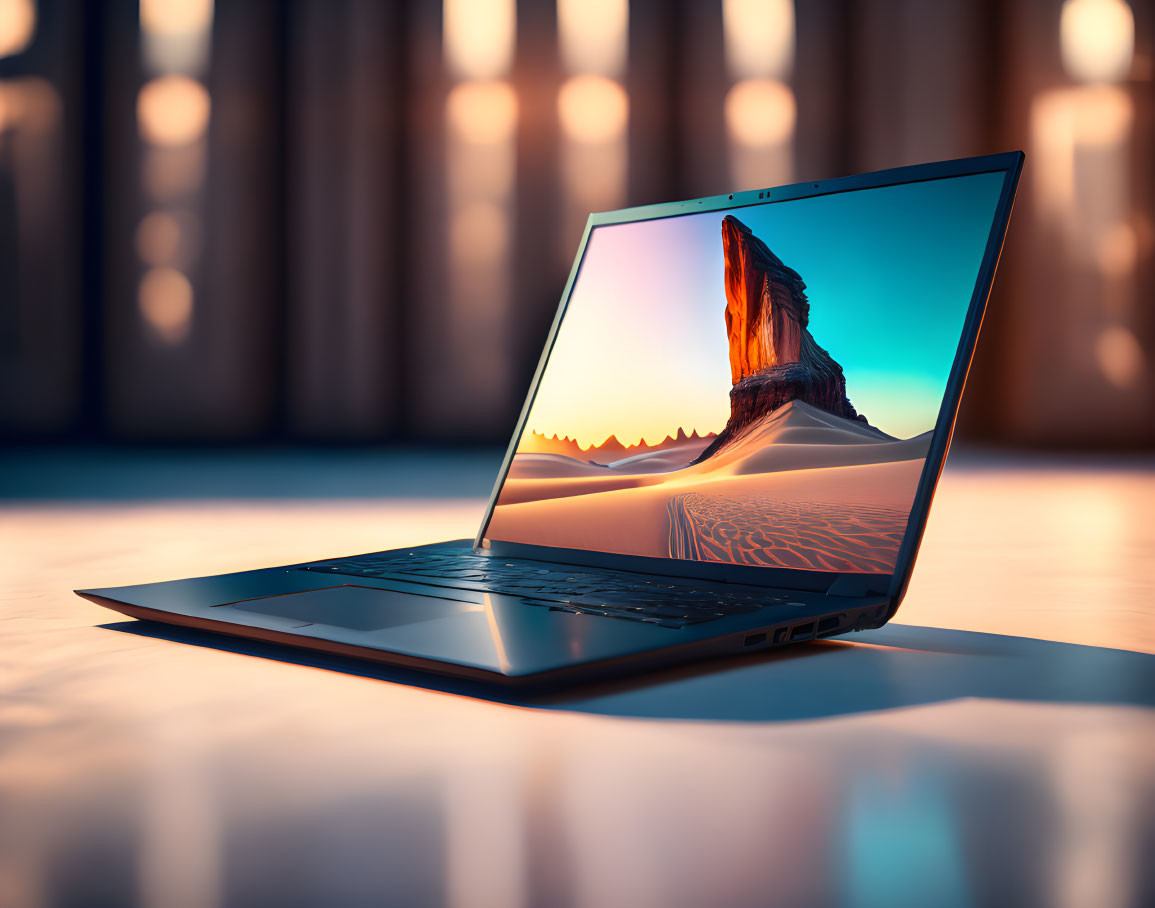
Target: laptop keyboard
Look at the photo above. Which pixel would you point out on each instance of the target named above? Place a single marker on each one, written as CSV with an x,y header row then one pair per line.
x,y
565,588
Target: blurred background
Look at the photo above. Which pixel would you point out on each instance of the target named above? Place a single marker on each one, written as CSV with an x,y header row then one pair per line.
x,y
351,220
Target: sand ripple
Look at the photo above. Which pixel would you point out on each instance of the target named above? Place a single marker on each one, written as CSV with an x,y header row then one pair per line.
x,y
770,532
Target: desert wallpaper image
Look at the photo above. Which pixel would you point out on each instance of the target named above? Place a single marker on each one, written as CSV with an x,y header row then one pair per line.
x,y
757,386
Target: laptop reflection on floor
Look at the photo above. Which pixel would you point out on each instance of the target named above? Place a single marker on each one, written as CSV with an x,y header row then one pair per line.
x,y
731,443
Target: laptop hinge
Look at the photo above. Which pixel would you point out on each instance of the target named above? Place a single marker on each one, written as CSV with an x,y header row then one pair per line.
x,y
856,586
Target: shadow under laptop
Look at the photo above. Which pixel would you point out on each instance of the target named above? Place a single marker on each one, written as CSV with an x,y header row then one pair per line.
x,y
889,668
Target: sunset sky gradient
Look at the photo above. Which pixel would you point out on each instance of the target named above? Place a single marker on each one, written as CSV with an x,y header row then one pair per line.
x,y
889,272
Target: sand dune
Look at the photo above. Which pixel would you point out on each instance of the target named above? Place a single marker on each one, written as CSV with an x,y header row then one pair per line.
x,y
809,457
674,457
541,466
522,490
835,518
801,437
798,421
804,488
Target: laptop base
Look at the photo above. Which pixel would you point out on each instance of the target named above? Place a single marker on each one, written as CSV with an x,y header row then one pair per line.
x,y
490,637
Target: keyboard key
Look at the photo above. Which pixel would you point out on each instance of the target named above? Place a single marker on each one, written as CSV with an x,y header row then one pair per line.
x,y
584,591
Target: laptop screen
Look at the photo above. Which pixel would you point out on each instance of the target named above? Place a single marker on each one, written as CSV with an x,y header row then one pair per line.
x,y
753,386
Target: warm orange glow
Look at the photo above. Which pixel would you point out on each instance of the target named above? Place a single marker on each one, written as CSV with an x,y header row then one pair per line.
x,y
166,303
176,35
17,25
594,176
1119,356
175,17
159,238
1097,39
482,113
759,37
172,110
30,104
481,119
593,35
1118,251
1101,116
479,37
593,109
754,168
760,113
479,232
11,105
1064,120
171,173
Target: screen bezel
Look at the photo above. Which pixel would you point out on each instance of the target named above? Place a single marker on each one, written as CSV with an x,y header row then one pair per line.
x,y
893,584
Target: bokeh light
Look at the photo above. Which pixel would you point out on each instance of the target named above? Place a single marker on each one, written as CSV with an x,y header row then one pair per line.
x,y
172,110
176,35
17,25
593,109
169,174
158,238
29,104
168,238
593,35
1118,251
166,303
478,37
175,17
759,37
1119,356
1065,120
1097,39
482,113
760,113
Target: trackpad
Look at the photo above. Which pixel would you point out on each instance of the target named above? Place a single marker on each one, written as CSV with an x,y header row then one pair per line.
x,y
358,608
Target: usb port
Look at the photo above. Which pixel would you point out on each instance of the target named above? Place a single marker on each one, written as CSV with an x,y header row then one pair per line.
x,y
828,624
802,631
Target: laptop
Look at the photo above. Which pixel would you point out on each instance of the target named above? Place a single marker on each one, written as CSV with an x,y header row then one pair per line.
x,y
731,443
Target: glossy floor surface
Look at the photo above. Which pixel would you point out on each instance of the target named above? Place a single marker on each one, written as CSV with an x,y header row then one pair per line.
x,y
995,748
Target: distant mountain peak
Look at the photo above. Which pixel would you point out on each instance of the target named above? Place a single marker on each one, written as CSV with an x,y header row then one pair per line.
x,y
607,452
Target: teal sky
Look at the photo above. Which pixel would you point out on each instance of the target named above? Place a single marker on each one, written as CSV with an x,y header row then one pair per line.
x,y
889,273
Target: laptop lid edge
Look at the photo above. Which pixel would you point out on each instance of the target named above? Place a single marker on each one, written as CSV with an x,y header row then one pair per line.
x,y
952,397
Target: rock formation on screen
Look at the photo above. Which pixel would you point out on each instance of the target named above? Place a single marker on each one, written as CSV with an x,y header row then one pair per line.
x,y
773,358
